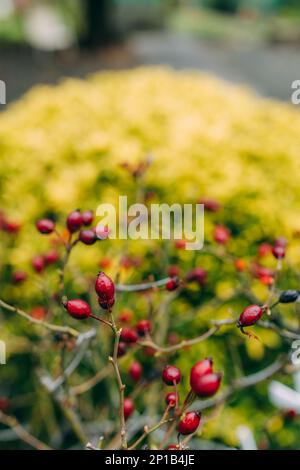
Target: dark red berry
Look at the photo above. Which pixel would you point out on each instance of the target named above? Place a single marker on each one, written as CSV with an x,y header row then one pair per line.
x,y
290,414
171,399
143,327
74,221
221,234
278,251
11,226
128,335
189,423
87,217
171,375
281,241
4,404
135,371
45,226
172,284
210,204
77,308
206,385
174,271
38,263
18,277
106,304
122,349
88,237
128,407
105,288
250,315
198,370
197,275
51,257
172,447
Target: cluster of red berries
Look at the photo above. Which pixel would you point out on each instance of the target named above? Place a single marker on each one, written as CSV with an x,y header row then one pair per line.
x,y
204,383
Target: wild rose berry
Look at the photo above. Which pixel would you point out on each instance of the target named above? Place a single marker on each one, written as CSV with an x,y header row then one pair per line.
x,y
143,327
51,257
104,288
264,249
250,315
171,375
240,264
126,315
172,447
172,284
74,221
18,277
77,308
221,234
199,369
128,335
171,399
189,423
288,296
11,226
135,371
128,407
278,251
122,349
45,226
38,264
290,414
173,271
206,385
106,304
38,312
198,275
87,217
180,244
88,237
210,204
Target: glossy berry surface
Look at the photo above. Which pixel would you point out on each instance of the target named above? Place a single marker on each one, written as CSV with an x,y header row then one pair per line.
x,y
104,287
206,385
171,375
88,237
278,251
45,226
128,407
288,296
74,221
171,399
250,315
172,284
200,369
87,217
78,309
189,423
143,327
128,335
135,371
221,234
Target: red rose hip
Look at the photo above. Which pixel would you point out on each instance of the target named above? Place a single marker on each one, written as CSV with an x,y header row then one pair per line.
x,y
143,327
128,335
171,399
198,370
87,217
88,237
128,407
45,226
135,371
189,423
77,308
74,221
104,287
206,385
171,375
250,315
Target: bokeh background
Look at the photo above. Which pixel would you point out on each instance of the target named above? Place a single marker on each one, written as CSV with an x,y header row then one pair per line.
x,y
205,87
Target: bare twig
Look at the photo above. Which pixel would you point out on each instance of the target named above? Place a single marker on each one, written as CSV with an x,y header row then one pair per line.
x,y
22,433
148,431
56,328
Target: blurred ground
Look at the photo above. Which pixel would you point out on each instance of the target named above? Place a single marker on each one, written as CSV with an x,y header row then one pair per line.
x,y
270,69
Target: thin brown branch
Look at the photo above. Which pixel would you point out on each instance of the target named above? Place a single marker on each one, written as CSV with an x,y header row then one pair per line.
x,y
22,433
56,328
